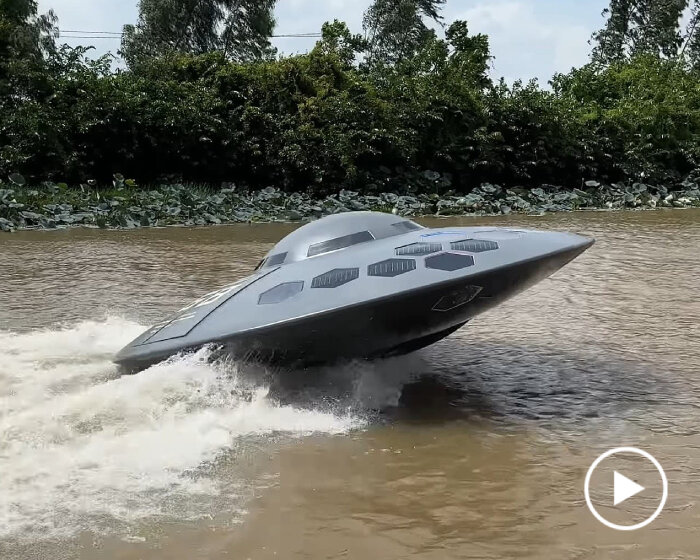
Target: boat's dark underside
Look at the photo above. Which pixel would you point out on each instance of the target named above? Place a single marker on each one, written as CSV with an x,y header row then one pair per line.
x,y
391,326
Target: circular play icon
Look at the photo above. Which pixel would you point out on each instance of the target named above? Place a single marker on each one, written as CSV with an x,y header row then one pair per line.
x,y
627,485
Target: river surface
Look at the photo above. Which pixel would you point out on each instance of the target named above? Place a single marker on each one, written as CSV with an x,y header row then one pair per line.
x,y
476,447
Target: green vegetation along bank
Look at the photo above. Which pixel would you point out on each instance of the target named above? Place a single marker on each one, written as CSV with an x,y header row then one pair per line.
x,y
57,206
313,123
400,109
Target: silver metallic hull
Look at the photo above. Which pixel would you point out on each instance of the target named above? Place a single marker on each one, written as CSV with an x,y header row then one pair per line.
x,y
377,297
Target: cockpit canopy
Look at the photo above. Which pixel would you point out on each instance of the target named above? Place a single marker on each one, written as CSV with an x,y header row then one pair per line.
x,y
334,233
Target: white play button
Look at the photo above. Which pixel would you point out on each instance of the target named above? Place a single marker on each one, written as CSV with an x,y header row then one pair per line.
x,y
624,488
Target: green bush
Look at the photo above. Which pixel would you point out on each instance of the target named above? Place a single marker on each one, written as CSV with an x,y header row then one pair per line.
x,y
318,123
640,119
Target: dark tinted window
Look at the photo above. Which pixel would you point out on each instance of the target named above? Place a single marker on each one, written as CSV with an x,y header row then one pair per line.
x,y
391,267
335,278
275,260
406,225
474,245
280,293
449,261
419,249
339,243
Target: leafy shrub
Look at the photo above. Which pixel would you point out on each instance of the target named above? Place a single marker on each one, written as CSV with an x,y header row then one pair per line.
x,y
641,118
318,122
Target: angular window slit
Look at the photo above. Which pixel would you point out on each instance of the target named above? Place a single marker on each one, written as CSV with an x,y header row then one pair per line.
x,y
419,249
474,245
335,278
339,243
391,267
275,260
280,293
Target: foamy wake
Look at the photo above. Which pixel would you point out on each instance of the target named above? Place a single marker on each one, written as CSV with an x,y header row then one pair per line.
x,y
81,447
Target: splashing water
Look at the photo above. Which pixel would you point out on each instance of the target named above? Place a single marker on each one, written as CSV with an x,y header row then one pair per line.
x,y
79,443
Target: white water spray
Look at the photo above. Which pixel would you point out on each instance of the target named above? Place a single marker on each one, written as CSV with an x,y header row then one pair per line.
x,y
80,444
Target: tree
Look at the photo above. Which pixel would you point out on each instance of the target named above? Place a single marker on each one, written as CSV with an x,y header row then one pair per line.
x,y
470,54
337,40
396,29
691,46
241,29
24,33
640,27
26,38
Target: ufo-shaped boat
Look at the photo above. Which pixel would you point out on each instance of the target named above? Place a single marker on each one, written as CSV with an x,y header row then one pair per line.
x,y
359,285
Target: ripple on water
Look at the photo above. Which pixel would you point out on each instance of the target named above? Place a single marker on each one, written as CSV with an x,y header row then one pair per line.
x,y
475,447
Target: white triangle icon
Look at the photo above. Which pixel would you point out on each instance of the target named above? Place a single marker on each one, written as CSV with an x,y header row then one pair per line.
x,y
624,488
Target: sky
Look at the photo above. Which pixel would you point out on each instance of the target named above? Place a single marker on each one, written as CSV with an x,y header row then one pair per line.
x,y
529,38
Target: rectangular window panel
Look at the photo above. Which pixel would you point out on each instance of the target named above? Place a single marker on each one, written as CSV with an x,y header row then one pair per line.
x,y
276,260
339,243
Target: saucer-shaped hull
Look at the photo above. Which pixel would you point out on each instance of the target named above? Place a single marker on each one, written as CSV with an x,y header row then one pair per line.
x,y
368,285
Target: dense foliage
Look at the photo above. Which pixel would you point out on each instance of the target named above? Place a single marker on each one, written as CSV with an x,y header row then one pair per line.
x,y
370,114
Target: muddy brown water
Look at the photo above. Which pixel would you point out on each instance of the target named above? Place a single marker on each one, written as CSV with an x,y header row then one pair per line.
x,y
474,448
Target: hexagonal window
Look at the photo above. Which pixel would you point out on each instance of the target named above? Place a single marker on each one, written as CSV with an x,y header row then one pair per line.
x,y
449,261
419,249
336,277
474,245
457,298
391,267
280,293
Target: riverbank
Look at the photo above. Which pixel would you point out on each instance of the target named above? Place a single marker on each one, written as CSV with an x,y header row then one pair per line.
x,y
53,206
